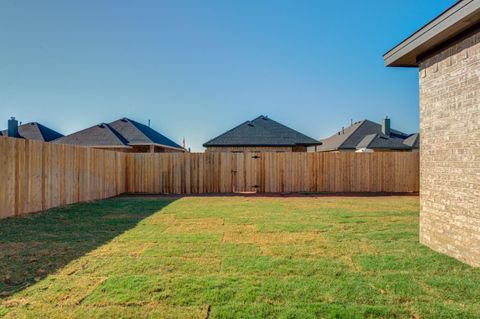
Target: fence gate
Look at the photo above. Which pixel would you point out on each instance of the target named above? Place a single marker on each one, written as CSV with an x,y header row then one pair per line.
x,y
245,172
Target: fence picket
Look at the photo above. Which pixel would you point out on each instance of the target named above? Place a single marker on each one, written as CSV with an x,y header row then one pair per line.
x,y
37,176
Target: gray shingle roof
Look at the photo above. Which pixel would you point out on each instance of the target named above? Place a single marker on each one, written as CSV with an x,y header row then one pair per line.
x,y
413,140
381,141
261,131
365,134
139,134
97,135
35,131
121,133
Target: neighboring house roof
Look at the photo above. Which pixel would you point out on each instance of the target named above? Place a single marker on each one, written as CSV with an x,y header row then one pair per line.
x,y
381,141
452,23
139,134
97,135
413,140
365,134
261,131
35,131
123,133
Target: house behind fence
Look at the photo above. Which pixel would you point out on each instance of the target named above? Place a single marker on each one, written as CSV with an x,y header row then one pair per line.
x,y
261,135
123,135
370,136
30,131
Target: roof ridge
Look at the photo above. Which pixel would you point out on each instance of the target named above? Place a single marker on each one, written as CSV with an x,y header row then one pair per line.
x,y
154,132
353,131
136,127
117,134
373,137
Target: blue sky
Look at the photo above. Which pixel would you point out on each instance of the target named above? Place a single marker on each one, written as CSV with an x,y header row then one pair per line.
x,y
197,68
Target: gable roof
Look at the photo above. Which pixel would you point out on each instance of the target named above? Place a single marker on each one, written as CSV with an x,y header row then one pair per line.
x,y
364,134
97,135
261,131
35,131
139,134
452,23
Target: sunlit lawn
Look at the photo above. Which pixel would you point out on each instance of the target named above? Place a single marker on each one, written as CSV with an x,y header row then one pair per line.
x,y
230,257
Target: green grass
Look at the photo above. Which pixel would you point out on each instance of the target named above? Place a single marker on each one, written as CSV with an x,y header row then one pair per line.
x,y
230,257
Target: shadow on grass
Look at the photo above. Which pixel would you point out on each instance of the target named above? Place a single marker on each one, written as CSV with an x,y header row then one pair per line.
x,y
34,246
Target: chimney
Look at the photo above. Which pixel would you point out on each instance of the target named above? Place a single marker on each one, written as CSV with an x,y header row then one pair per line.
x,y
12,127
386,126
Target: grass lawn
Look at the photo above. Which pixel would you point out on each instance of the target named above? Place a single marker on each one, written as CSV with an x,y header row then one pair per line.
x,y
230,257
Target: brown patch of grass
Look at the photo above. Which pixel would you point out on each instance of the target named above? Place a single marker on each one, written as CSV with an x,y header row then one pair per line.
x,y
160,219
240,228
120,249
286,238
250,236
239,234
195,225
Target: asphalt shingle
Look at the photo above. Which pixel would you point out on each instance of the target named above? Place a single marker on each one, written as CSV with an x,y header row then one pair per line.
x,y
261,131
366,134
139,134
97,135
123,133
35,131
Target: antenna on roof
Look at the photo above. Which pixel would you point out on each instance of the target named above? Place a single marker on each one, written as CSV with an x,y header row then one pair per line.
x,y
351,121
148,123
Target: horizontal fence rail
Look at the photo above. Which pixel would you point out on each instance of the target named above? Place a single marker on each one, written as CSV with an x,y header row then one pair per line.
x,y
187,173
35,176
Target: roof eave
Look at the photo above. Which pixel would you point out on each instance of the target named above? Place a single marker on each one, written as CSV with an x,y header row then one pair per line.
x,y
94,146
259,145
389,148
448,25
157,144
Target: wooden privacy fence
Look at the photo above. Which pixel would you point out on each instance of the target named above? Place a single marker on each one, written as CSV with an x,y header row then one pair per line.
x,y
176,173
36,176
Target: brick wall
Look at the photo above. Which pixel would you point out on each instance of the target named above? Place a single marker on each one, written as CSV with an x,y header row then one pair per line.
x,y
450,150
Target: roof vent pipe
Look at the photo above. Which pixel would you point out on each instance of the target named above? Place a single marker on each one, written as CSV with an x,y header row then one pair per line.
x,y
12,127
386,126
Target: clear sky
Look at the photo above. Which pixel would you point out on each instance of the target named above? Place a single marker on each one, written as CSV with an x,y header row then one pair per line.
x,y
197,68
